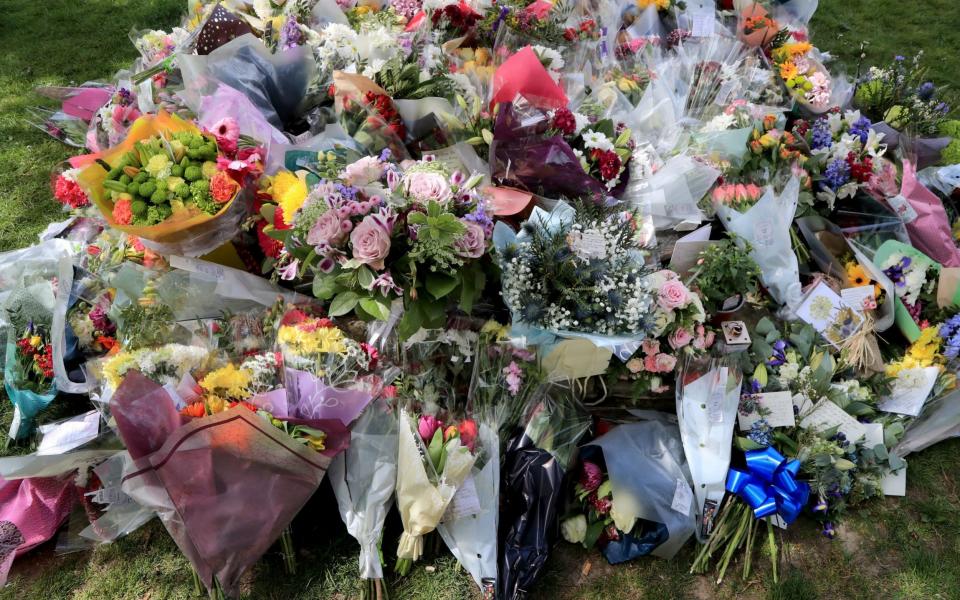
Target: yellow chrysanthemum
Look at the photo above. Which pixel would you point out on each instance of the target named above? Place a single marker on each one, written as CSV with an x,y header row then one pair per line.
x,y
925,350
116,367
799,48
290,192
306,341
228,381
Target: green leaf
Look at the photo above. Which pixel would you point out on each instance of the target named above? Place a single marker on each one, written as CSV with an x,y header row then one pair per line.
x,y
417,218
858,409
267,211
881,451
411,321
896,463
434,314
324,287
593,534
377,309
365,277
441,285
343,303
746,444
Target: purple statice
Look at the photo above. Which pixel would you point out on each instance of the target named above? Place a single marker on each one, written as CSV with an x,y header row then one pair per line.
x,y
837,173
861,128
761,433
481,218
290,34
821,137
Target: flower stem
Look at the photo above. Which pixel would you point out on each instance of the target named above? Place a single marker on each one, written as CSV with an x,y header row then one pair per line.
x,y
772,542
289,558
197,584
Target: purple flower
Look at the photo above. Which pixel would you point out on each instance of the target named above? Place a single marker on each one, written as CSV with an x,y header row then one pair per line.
x,y
837,173
820,506
896,272
821,137
289,272
828,531
779,355
926,90
898,58
290,34
861,128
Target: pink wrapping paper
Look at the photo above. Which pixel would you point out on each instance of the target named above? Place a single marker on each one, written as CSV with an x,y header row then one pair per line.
x,y
522,74
85,103
31,511
930,231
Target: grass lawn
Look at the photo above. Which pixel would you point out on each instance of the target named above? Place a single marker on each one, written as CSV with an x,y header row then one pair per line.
x,y
898,548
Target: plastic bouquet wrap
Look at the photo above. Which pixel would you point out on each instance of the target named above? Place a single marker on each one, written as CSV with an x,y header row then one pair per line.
x,y
327,374
634,492
766,226
534,467
925,219
585,264
708,393
166,184
670,195
28,289
198,475
433,462
363,480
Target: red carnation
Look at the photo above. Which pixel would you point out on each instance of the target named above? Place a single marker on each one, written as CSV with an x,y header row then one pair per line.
x,y
601,505
609,165
564,120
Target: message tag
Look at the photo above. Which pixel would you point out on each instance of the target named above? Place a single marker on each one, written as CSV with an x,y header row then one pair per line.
x,y
465,502
857,297
910,391
895,484
826,415
682,498
901,206
778,407
704,21
717,393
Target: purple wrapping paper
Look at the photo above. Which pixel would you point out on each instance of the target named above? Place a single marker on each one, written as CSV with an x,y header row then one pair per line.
x,y
226,485
274,402
308,397
543,165
930,231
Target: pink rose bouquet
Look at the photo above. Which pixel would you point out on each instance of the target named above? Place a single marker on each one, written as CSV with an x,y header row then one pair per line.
x,y
678,330
369,231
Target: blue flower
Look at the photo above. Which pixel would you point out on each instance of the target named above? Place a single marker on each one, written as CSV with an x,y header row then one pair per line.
x,y
861,128
926,90
761,433
837,173
821,137
898,58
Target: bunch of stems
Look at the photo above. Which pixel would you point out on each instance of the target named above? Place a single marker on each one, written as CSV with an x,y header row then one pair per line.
x,y
736,528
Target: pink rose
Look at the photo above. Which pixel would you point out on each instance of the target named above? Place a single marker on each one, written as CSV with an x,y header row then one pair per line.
x,y
425,186
703,339
371,241
665,363
673,294
327,231
472,243
680,338
650,346
635,365
428,426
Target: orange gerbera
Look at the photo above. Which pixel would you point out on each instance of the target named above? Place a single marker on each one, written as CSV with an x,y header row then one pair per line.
x,y
788,70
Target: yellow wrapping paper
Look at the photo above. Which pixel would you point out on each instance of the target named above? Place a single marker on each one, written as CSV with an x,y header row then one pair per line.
x,y
420,502
183,226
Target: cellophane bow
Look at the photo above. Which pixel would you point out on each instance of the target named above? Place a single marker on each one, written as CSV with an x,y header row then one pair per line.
x,y
769,485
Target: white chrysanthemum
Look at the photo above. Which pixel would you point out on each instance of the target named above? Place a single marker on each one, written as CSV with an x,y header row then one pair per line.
x,y
595,139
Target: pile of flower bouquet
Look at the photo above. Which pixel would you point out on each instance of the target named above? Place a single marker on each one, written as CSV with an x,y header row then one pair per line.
x,y
425,248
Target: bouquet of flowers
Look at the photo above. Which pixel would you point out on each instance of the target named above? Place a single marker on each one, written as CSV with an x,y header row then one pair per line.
x,y
221,460
805,78
534,466
633,491
916,285
578,271
328,375
846,154
433,462
678,331
172,185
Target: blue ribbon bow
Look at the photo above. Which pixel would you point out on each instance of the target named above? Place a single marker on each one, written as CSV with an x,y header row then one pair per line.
x,y
769,486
